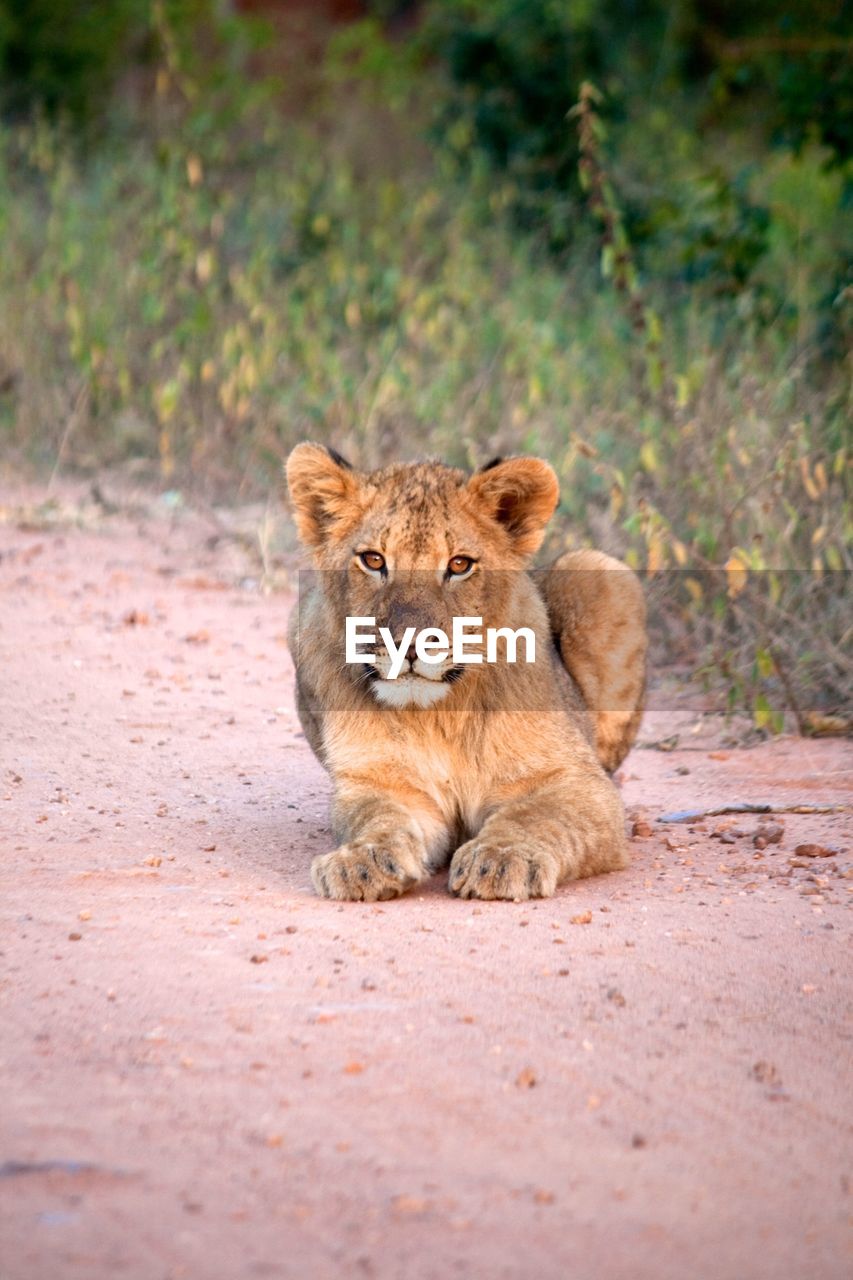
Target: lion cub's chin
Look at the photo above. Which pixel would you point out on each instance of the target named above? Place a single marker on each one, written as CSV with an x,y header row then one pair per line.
x,y
409,691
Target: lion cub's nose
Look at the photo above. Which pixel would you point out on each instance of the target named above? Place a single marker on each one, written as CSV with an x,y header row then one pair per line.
x,y
404,614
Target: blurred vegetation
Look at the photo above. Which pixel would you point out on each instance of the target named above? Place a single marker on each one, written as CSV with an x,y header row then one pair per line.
x,y
416,245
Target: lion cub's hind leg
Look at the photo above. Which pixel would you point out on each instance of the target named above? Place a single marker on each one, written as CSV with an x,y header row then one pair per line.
x,y
598,616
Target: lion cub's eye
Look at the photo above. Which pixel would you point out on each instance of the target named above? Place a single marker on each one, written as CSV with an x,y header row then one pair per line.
x,y
459,566
372,560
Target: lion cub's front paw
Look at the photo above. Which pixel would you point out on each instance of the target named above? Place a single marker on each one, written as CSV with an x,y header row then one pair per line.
x,y
360,873
485,868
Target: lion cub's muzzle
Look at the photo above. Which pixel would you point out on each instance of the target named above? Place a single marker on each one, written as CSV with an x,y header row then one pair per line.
x,y
419,683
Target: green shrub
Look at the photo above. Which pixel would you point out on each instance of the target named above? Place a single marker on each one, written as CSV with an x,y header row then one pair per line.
x,y
70,59
221,280
65,56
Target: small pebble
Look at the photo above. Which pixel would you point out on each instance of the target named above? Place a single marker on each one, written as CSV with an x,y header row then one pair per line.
x,y
813,851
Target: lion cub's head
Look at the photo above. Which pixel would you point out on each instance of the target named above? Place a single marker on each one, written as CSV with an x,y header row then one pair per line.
x,y
415,545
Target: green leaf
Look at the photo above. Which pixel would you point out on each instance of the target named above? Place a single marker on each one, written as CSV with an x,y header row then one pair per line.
x,y
764,664
762,712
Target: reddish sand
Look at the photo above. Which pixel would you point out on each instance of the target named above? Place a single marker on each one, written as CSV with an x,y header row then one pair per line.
x,y
207,1072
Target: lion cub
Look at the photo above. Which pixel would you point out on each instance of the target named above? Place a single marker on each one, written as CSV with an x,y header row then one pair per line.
x,y
498,766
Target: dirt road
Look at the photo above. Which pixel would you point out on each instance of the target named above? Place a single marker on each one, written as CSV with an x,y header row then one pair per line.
x,y
207,1072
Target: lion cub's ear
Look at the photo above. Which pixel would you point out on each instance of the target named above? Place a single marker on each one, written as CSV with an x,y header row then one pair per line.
x,y
520,494
323,489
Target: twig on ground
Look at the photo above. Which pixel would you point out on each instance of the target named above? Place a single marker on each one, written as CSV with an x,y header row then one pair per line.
x,y
694,815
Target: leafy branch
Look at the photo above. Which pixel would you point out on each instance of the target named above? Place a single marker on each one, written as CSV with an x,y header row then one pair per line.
x,y
617,258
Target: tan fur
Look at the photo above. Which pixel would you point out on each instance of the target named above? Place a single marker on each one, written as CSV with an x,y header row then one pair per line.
x,y
598,614
500,773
